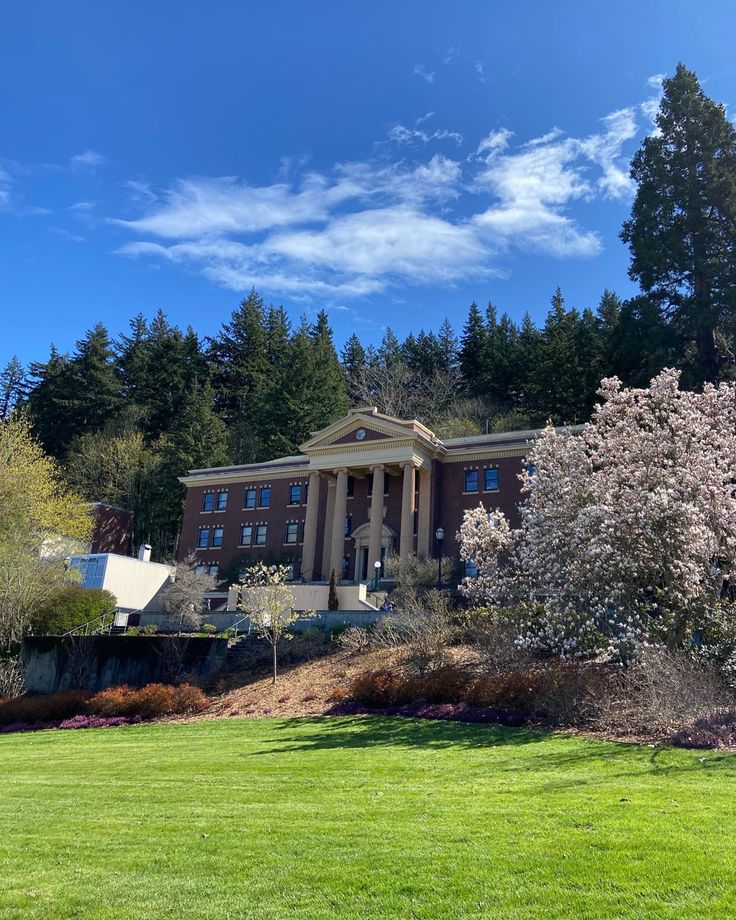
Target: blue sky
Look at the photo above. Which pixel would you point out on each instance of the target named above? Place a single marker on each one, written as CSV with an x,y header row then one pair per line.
x,y
390,162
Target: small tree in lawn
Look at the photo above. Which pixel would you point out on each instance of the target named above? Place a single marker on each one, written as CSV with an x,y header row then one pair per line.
x,y
333,602
268,600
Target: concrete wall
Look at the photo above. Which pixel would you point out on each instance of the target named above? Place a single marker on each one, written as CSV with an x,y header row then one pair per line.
x,y
136,585
52,663
324,619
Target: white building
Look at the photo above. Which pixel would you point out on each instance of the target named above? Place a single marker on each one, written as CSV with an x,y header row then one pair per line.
x,y
136,583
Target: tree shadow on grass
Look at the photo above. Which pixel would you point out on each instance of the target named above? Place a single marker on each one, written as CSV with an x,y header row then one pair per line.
x,y
568,752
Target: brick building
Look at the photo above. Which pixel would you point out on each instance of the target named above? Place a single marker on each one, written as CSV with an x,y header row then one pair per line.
x,y
364,487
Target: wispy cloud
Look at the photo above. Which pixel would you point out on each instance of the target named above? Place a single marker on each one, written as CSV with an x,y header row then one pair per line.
x,y
650,106
480,71
87,161
381,223
421,71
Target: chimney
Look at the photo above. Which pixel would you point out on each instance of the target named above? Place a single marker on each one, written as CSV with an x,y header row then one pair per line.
x,y
144,553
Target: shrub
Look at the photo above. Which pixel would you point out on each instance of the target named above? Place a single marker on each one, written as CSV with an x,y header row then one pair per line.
x,y
337,695
661,691
71,606
355,640
150,702
11,678
209,629
189,698
493,632
49,708
445,685
713,731
380,688
149,630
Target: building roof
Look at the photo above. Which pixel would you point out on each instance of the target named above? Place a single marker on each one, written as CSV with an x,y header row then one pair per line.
x,y
375,430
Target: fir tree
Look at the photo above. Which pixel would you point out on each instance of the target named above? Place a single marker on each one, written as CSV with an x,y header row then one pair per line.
x,y
13,386
473,355
682,230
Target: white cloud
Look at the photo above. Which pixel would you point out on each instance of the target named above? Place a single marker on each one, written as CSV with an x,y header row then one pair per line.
x,y
480,71
371,225
650,107
400,134
421,71
494,142
87,161
605,149
6,184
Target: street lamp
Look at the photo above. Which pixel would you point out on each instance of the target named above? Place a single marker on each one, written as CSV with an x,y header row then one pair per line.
x,y
376,573
439,536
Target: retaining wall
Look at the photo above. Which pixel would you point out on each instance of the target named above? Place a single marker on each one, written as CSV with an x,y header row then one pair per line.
x,y
53,663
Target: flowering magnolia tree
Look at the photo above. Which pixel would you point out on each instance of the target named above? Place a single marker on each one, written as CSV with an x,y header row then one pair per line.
x,y
628,529
263,593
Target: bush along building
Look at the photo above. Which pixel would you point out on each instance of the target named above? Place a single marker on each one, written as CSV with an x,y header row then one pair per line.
x,y
363,488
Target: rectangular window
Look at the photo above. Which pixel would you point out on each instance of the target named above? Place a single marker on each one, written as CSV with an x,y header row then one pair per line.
x,y
213,570
249,500
217,536
490,480
348,524
204,538
351,486
221,501
295,495
208,500
261,531
471,480
265,501
471,569
246,535
292,533
199,568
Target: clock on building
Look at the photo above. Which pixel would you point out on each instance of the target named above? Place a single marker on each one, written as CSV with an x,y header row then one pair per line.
x,y
360,434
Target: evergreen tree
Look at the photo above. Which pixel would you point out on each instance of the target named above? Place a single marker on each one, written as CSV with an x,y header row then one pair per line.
x,y
241,375
447,343
473,354
13,385
328,392
133,359
353,360
196,440
682,230
95,398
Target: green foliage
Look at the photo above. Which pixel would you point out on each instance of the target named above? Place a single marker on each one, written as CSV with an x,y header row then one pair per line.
x,y
682,230
69,607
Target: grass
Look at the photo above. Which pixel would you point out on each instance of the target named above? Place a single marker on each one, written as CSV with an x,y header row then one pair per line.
x,y
364,818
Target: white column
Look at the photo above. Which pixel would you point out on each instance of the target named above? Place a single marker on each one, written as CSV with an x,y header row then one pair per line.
x,y
338,523
376,528
327,539
424,522
406,536
310,528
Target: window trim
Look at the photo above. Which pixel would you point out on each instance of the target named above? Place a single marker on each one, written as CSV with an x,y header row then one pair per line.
x,y
466,490
486,487
292,487
207,498
246,506
295,526
260,497
215,531
257,541
250,539
219,499
206,544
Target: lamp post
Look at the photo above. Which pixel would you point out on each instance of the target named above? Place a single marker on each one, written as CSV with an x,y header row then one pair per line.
x,y
439,536
376,574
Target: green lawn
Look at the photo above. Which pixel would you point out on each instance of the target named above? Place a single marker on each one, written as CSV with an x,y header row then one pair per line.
x,y
365,818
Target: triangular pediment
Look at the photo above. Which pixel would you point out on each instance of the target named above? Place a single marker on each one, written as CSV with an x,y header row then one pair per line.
x,y
364,426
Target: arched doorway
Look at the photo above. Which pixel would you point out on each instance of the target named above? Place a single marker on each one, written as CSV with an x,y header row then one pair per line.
x,y
364,565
